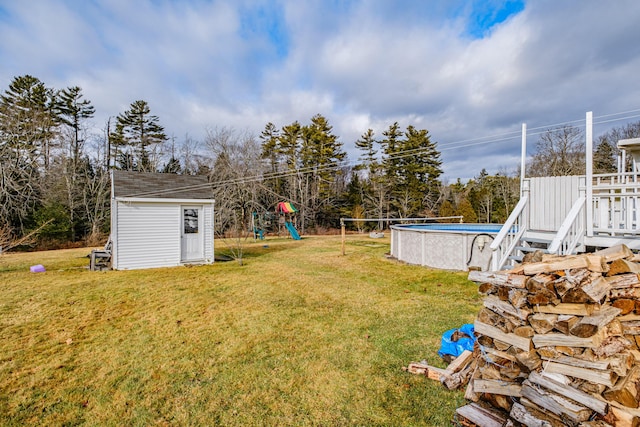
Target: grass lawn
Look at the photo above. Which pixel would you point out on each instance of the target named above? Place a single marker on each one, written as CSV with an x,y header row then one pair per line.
x,y
299,335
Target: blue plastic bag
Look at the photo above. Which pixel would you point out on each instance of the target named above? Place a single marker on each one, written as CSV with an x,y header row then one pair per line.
x,y
455,348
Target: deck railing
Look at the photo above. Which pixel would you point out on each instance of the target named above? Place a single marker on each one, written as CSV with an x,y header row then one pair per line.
x,y
507,239
571,232
616,201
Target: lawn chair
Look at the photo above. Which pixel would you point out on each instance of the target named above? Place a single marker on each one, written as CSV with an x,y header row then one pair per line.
x,y
100,259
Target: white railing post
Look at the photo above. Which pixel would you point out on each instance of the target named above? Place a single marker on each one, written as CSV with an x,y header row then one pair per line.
x,y
589,164
570,232
510,233
523,157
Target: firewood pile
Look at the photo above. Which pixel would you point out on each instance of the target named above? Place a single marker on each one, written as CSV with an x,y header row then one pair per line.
x,y
558,342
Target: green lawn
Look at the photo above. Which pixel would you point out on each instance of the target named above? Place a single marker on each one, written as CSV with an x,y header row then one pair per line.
x,y
299,335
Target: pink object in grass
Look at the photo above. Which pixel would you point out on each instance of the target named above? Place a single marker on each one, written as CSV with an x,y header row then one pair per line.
x,y
37,268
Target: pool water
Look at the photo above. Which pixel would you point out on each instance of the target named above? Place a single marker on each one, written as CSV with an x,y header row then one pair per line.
x,y
472,228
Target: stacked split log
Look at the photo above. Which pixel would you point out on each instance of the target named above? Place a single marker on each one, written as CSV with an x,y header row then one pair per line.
x,y
557,343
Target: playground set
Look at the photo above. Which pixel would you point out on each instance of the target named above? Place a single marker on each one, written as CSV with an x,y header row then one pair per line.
x,y
283,219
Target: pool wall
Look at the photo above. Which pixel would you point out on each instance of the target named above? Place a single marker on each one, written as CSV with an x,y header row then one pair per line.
x,y
447,248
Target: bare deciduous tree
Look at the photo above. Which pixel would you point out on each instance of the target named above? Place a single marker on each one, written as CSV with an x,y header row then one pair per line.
x,y
560,152
237,163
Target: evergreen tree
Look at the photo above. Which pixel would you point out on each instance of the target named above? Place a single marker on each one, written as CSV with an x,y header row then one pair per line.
x,y
320,157
366,144
27,129
421,168
605,157
27,120
138,129
447,209
391,147
289,142
374,186
271,151
466,211
172,166
72,110
412,167
270,146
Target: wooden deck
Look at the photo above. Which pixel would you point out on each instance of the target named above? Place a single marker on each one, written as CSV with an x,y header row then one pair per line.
x,y
556,213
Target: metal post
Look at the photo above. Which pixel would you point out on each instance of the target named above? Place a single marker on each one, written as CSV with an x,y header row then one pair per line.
x,y
589,161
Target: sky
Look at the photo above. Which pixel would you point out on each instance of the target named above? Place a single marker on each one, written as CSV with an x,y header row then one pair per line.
x,y
471,72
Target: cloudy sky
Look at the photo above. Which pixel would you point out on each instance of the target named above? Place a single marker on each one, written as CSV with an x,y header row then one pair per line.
x,y
469,71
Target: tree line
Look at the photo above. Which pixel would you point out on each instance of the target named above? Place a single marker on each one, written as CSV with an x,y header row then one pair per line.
x,y
54,169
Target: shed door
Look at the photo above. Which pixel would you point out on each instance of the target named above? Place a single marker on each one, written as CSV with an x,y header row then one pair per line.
x,y
192,236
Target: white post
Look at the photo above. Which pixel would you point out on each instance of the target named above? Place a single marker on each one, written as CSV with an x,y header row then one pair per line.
x,y
619,160
523,157
589,161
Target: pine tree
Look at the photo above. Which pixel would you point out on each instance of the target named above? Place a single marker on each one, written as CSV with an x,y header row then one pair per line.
x,y
412,167
366,144
289,142
446,209
374,185
320,157
421,168
391,161
466,211
27,119
138,129
27,129
72,110
271,152
605,157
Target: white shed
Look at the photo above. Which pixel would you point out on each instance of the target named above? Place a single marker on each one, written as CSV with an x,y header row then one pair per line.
x,y
160,220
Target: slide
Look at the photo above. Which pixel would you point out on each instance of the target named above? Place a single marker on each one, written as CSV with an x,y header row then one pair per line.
x,y
292,230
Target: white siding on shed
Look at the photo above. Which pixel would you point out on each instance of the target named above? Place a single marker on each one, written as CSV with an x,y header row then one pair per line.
x,y
148,235
208,233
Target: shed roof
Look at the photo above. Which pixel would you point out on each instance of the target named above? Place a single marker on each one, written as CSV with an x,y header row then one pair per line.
x,y
160,185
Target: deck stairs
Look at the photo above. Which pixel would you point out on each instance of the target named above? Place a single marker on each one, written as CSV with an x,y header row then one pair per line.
x,y
536,241
571,214
553,216
530,245
543,220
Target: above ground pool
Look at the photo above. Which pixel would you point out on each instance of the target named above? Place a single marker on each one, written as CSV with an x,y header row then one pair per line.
x,y
444,246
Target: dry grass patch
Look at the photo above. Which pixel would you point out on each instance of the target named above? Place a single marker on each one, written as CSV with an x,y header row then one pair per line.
x,y
299,335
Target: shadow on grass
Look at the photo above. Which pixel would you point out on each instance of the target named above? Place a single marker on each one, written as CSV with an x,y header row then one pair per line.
x,y
251,250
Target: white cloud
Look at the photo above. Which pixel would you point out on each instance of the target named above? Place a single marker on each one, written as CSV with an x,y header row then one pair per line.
x,y
362,64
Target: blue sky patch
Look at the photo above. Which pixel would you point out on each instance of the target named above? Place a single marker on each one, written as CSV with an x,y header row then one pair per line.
x,y
267,22
484,15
